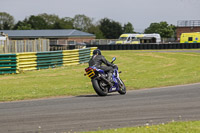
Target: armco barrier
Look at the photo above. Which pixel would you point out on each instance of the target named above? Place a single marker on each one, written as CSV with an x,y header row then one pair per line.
x,y
84,55
70,57
27,61
49,59
15,63
8,63
146,46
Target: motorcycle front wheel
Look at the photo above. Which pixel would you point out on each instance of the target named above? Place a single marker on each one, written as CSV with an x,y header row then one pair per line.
x,y
122,87
100,87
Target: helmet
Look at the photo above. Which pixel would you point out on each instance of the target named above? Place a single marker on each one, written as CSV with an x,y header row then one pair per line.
x,y
97,51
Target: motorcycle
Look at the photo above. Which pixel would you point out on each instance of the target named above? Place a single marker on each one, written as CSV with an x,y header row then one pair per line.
x,y
100,82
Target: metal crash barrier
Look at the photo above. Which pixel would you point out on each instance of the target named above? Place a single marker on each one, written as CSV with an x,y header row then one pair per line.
x,y
8,63
16,63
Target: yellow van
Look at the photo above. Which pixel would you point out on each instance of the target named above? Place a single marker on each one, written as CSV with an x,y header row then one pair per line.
x,y
138,38
193,37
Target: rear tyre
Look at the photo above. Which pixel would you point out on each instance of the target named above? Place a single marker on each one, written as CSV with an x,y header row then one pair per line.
x,y
100,87
122,87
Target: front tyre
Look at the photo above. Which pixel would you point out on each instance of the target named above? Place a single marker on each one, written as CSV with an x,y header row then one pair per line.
x,y
122,87
100,87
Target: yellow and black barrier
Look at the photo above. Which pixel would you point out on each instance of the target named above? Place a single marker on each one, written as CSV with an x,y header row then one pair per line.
x,y
16,63
27,61
71,57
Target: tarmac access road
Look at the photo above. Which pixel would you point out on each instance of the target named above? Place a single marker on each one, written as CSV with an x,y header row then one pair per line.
x,y
91,112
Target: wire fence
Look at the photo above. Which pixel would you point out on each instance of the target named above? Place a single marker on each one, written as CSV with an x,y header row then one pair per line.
x,y
103,41
188,23
18,46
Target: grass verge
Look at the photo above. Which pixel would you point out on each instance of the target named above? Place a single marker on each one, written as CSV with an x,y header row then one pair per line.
x,y
139,70
174,127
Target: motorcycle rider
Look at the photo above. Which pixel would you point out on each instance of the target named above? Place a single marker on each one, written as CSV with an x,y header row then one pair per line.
x,y
97,59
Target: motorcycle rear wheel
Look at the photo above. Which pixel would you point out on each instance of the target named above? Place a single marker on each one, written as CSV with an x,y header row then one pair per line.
x,y
99,88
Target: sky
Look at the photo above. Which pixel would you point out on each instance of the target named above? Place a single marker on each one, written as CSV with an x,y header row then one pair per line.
x,y
141,13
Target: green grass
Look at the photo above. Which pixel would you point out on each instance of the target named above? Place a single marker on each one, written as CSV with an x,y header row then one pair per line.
x,y
147,70
139,70
174,127
45,83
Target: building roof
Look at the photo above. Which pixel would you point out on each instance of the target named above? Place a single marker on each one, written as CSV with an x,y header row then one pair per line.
x,y
46,33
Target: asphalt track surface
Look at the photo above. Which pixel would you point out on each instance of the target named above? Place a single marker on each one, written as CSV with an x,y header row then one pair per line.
x,y
90,112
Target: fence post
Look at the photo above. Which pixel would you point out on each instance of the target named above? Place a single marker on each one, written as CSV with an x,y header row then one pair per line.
x,y
42,45
33,45
24,45
15,46
5,46
48,45
39,45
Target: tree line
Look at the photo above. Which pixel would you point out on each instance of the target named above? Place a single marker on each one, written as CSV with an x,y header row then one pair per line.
x,y
103,29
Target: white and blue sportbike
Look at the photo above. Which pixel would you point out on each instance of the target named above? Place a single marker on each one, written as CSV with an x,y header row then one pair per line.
x,y
101,84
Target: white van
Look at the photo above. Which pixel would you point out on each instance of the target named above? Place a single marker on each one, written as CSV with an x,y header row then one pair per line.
x,y
139,38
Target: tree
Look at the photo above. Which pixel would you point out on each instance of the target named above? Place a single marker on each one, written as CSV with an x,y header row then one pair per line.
x,y
6,21
22,25
128,28
82,22
6,26
94,29
110,28
162,28
174,30
37,22
64,23
50,19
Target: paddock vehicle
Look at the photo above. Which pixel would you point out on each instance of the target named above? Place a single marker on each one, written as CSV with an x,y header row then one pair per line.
x,y
101,84
139,38
193,37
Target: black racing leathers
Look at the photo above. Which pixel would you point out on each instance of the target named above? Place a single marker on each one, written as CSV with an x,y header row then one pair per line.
x,y
98,60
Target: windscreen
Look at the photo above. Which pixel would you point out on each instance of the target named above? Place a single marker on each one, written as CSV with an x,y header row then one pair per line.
x,y
122,38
